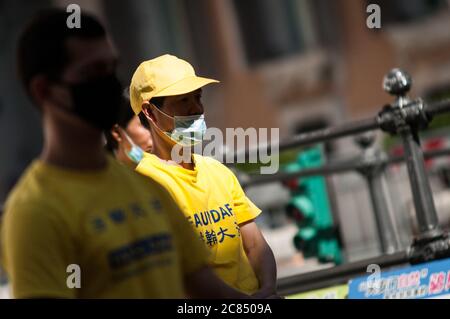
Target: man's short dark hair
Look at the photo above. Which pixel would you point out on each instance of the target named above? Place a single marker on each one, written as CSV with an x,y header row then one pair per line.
x,y
158,102
42,43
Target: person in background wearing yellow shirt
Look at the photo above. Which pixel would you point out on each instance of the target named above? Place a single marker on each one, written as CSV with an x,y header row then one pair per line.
x,y
128,139
78,223
166,95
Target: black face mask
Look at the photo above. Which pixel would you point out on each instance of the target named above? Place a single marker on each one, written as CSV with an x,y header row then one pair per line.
x,y
98,101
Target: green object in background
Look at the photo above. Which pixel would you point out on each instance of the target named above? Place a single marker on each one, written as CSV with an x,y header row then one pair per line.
x,y
306,206
310,208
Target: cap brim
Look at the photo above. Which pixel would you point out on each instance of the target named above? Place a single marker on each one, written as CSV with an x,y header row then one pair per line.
x,y
185,86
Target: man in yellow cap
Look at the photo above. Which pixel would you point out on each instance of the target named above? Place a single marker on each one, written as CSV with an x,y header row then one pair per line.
x,y
166,95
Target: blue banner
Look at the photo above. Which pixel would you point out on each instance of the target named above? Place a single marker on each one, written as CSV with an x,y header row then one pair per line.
x,y
424,281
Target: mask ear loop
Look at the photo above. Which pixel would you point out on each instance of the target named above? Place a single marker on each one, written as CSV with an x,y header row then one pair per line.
x,y
161,112
66,86
162,133
128,137
176,116
130,140
122,134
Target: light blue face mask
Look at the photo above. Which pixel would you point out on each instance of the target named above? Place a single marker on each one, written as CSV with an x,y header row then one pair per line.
x,y
136,153
189,130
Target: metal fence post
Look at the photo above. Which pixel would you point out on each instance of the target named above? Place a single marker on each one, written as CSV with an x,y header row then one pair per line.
x,y
372,168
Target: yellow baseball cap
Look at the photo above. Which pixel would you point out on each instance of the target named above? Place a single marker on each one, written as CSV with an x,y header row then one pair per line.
x,y
165,75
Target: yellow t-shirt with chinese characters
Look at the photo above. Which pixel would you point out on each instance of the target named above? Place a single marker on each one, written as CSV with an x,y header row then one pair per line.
x,y
126,234
215,205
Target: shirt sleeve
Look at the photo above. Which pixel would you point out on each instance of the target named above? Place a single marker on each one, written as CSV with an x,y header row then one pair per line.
x,y
36,252
192,250
244,208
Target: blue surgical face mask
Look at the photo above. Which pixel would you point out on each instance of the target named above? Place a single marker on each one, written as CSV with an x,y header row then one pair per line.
x,y
136,153
188,130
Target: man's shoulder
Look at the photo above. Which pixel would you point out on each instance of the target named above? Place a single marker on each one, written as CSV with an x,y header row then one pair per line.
x,y
28,187
130,176
214,166
29,196
210,161
148,165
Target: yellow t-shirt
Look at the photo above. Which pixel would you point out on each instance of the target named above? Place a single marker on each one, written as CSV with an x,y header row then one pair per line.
x,y
215,205
127,235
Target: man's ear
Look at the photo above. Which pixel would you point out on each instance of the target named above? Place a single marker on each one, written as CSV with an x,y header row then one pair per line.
x,y
39,89
43,92
115,132
148,111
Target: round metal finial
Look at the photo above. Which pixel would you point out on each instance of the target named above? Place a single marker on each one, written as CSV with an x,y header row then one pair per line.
x,y
397,82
